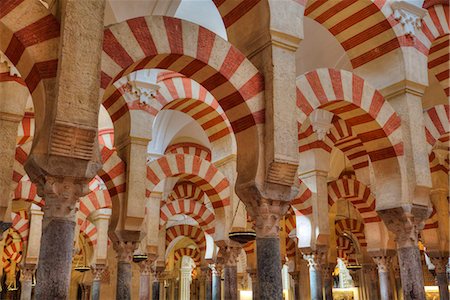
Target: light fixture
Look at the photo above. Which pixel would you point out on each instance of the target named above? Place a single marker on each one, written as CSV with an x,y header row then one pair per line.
x,y
241,236
137,258
81,268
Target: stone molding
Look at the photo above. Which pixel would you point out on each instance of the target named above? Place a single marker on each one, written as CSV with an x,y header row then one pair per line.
x,y
409,15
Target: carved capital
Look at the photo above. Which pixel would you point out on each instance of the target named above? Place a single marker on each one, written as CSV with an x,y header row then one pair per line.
x,y
314,260
125,250
216,269
145,267
145,92
321,122
98,271
61,196
230,253
295,275
409,15
383,263
405,222
440,264
267,217
327,270
27,272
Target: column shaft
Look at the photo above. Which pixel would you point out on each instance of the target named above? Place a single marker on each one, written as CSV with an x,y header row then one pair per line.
x,y
315,274
25,290
411,273
442,282
55,259
269,268
216,286
144,287
123,288
96,284
230,283
155,290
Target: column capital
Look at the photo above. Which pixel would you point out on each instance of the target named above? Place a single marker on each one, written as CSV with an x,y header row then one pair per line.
x,y
267,215
383,263
145,267
314,259
231,253
27,272
295,275
440,263
125,250
405,222
328,269
97,271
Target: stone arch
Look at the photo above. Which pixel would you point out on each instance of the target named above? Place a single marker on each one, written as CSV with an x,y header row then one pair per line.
x,y
198,211
186,190
215,184
434,36
356,25
302,203
27,191
160,42
89,233
190,148
20,223
437,125
353,226
193,232
29,37
372,119
357,193
192,253
93,201
290,224
12,250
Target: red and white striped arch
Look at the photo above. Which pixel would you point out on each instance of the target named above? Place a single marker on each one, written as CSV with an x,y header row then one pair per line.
x,y
19,162
345,249
89,232
12,250
26,190
113,174
357,193
353,100
438,164
106,137
216,185
249,248
198,211
434,35
340,136
360,26
190,148
194,233
29,37
302,203
289,225
186,190
353,226
20,223
437,125
433,220
26,129
166,43
232,11
192,253
91,202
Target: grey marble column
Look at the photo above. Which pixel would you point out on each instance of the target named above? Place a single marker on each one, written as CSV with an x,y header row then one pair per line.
x,y
383,265
124,251
97,272
208,287
216,283
268,258
155,289
315,274
328,281
411,273
55,258
230,282
440,264
26,278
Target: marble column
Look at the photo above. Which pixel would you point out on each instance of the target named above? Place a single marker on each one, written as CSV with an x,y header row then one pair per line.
x,y
398,282
216,282
97,272
440,264
208,285
328,280
230,282
155,289
267,216
296,278
58,225
203,280
125,250
185,282
406,222
383,265
374,292
314,260
254,277
26,279
145,269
